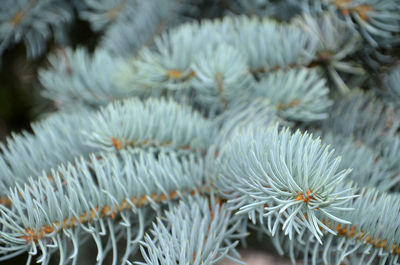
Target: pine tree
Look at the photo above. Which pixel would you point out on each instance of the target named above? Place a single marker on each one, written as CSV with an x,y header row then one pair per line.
x,y
194,123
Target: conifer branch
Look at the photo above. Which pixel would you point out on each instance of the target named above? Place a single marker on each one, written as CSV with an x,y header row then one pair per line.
x,y
290,179
203,233
310,101
33,22
92,198
371,237
153,124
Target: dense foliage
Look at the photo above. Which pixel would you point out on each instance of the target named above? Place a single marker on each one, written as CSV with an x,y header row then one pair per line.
x,y
194,122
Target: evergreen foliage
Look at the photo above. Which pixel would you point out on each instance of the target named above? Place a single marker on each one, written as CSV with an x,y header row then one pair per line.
x,y
193,123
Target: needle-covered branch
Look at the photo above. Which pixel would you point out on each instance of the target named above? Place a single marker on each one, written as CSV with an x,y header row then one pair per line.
x,y
292,179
